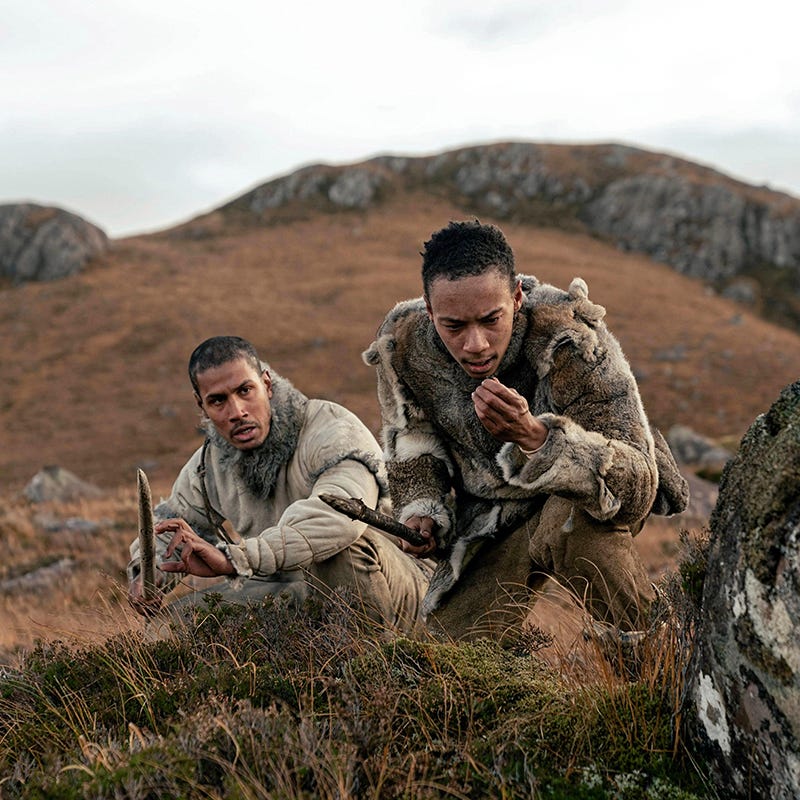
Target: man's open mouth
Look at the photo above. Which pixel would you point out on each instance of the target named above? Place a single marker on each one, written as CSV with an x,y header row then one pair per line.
x,y
243,432
480,367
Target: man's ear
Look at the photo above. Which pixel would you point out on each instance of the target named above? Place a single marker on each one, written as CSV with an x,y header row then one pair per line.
x,y
518,296
428,308
199,402
265,376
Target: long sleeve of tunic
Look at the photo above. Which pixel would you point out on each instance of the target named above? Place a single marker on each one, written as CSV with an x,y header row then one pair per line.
x,y
292,527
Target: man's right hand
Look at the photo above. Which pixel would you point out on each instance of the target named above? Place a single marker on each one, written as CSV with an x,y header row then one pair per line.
x,y
425,526
505,413
147,608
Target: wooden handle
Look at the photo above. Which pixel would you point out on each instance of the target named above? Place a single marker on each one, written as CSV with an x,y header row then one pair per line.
x,y
356,508
147,537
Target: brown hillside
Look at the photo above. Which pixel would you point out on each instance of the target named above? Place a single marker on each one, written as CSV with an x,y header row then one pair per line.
x,y
742,240
94,365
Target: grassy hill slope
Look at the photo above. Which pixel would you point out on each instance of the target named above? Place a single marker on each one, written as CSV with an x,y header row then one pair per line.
x,y
94,365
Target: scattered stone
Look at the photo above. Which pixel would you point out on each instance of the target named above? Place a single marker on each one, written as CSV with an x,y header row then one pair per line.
x,y
53,483
703,495
52,524
742,290
692,449
38,579
676,353
744,679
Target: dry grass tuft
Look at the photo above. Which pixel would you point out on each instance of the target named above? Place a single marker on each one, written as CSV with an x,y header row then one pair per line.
x,y
267,702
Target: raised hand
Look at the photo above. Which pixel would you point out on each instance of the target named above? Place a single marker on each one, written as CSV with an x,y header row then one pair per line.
x,y
194,554
504,412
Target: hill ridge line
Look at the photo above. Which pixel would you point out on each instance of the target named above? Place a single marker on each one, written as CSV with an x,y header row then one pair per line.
x,y
741,239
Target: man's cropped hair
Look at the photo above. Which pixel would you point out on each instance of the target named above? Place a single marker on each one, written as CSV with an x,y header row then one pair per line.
x,y
219,350
465,249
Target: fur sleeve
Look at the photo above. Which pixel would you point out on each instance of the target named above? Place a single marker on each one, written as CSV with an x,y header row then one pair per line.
x,y
600,451
604,477
418,464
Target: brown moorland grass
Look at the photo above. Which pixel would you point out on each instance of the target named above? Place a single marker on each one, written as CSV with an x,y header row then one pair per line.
x,y
94,371
267,702
94,365
62,576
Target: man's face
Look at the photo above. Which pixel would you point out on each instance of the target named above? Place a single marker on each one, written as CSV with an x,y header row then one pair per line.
x,y
236,398
474,317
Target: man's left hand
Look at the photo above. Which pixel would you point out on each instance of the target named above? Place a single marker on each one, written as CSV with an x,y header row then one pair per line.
x,y
505,414
196,556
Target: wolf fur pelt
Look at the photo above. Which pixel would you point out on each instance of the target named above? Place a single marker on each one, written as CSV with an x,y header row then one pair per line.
x,y
601,452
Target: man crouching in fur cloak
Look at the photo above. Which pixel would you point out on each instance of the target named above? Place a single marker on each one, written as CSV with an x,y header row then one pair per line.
x,y
270,453
516,441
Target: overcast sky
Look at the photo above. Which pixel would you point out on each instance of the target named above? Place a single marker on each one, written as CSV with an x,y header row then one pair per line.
x,y
138,114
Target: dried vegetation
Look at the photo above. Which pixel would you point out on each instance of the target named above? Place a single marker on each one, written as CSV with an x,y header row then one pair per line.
x,y
269,703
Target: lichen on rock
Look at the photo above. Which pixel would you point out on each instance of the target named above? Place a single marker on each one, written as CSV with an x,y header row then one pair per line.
x,y
744,681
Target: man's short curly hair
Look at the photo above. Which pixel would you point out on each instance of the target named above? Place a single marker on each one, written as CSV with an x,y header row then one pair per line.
x,y
464,249
219,350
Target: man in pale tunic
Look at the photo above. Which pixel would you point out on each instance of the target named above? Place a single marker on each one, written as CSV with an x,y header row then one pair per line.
x,y
247,503
516,441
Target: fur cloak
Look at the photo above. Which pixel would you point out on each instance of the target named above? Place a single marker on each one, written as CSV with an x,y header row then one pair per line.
x,y
601,452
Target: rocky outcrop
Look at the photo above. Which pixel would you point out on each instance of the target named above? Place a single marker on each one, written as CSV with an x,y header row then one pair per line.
x,y
704,230
40,578
744,679
744,240
347,188
38,243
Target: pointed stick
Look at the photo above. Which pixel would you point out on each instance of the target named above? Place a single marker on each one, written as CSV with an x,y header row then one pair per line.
x,y
147,537
356,508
